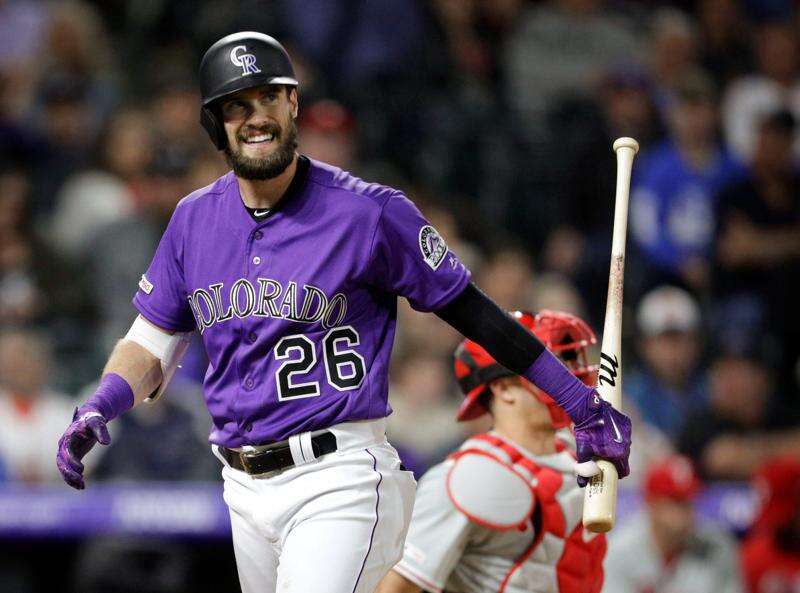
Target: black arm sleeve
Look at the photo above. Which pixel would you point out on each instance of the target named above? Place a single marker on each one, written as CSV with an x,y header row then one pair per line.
x,y
481,320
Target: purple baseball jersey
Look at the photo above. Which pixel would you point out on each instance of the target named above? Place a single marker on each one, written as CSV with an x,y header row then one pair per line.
x,y
297,312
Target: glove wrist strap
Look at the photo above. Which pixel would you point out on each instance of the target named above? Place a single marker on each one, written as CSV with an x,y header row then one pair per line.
x,y
113,397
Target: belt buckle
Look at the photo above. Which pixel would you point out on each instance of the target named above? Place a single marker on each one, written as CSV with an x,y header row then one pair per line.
x,y
245,458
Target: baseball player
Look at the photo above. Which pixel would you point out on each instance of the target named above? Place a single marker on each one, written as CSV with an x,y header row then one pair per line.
x,y
673,551
290,269
503,513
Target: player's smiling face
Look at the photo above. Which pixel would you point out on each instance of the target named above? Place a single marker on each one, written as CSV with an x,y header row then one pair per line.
x,y
262,135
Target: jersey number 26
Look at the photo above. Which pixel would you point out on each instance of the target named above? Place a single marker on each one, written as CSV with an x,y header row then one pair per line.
x,y
344,367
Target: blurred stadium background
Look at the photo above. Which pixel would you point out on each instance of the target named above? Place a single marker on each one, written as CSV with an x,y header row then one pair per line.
x,y
497,118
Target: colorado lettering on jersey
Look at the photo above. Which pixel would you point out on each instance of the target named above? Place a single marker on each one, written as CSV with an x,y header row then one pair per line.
x,y
269,298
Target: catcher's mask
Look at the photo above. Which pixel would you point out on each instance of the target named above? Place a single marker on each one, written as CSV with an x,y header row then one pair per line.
x,y
565,335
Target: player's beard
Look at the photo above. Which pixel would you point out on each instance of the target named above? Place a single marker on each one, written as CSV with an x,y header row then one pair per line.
x,y
270,166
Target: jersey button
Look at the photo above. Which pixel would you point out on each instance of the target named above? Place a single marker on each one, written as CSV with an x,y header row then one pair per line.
x,y
249,382
251,337
256,260
258,235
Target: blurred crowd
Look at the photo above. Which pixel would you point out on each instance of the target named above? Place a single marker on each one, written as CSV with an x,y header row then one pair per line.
x,y
497,118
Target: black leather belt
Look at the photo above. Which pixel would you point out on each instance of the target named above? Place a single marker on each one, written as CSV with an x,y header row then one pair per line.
x,y
278,456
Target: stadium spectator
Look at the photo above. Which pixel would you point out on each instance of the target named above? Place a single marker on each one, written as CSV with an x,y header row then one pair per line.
x,y
774,86
20,300
622,106
119,252
31,415
758,243
22,26
745,423
173,113
771,552
328,132
365,52
582,37
673,54
508,278
380,37
672,204
554,291
76,45
37,285
724,43
463,54
579,243
669,384
61,143
663,549
107,191
75,92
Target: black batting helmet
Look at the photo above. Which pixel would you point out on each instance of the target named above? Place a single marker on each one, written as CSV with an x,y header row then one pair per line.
x,y
237,62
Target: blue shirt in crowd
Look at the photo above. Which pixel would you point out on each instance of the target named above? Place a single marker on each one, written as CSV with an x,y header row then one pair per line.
x,y
662,406
673,204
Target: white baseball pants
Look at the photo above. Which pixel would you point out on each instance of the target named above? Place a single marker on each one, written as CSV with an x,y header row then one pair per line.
x,y
334,525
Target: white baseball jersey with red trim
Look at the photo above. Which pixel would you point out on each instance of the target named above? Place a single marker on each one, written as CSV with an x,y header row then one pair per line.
x,y
512,544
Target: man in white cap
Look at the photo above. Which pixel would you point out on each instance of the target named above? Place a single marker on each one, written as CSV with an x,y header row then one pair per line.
x,y
669,383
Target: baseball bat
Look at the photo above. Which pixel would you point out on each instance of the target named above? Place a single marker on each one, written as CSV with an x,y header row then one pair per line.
x,y
600,497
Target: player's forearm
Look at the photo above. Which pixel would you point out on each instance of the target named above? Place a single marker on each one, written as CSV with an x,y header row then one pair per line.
x,y
138,367
130,375
481,320
393,582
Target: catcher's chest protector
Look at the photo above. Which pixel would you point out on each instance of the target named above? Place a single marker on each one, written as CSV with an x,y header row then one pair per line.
x,y
488,483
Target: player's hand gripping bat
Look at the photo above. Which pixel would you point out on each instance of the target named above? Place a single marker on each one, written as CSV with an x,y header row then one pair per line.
x,y
600,497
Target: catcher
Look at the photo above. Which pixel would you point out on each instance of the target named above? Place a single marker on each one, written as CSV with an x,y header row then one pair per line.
x,y
503,513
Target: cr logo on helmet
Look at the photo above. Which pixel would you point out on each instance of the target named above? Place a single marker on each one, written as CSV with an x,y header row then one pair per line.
x,y
247,62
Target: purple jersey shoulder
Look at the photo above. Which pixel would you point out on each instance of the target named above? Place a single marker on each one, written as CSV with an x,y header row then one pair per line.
x,y
344,184
213,190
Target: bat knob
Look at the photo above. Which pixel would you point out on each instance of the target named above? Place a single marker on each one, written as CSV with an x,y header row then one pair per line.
x,y
626,143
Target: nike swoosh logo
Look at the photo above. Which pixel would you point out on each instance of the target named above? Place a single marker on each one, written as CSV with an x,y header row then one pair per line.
x,y
260,212
618,438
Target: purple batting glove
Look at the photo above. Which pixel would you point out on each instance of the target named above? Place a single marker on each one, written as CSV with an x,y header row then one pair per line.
x,y
606,433
88,427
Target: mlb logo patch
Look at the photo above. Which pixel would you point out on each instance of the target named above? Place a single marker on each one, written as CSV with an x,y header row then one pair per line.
x,y
432,246
145,285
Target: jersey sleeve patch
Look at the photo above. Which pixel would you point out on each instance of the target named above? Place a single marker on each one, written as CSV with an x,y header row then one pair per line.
x,y
145,285
432,246
489,492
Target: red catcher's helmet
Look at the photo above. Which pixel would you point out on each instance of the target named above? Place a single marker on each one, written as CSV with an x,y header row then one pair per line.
x,y
565,335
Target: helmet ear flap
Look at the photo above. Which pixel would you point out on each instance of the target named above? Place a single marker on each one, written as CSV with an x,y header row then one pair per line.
x,y
214,127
